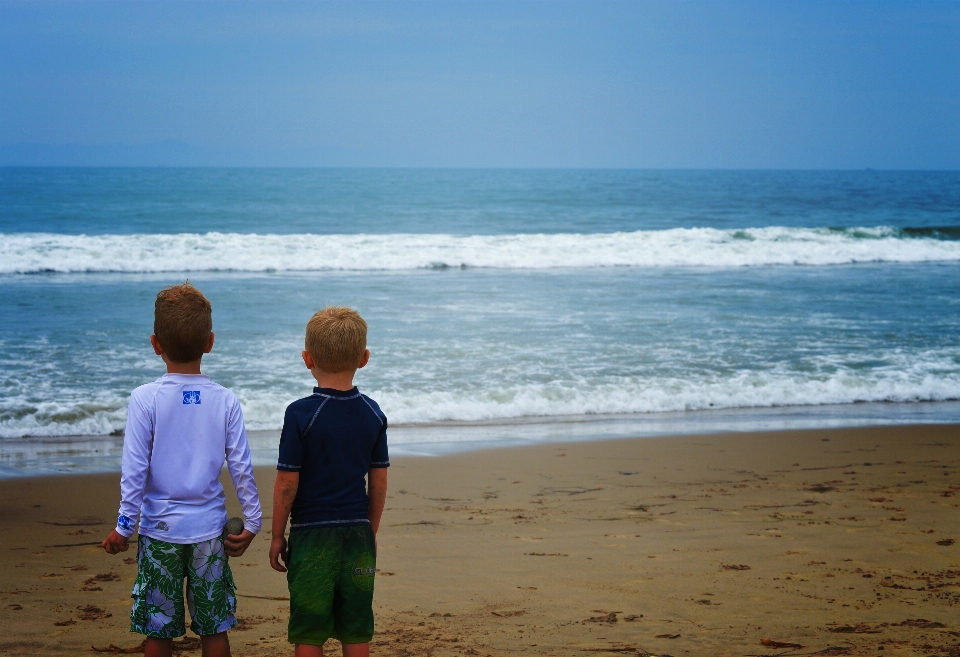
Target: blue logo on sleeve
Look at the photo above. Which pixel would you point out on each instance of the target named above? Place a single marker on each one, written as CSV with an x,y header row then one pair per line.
x,y
191,396
124,523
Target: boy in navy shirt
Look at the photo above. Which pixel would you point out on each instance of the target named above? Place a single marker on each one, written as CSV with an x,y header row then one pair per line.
x,y
331,440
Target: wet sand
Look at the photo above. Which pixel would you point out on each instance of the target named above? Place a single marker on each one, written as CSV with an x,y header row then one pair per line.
x,y
846,542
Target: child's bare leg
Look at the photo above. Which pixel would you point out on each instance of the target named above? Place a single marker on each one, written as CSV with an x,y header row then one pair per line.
x,y
158,647
215,645
356,650
307,650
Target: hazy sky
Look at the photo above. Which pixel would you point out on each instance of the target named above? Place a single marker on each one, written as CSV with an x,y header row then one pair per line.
x,y
763,84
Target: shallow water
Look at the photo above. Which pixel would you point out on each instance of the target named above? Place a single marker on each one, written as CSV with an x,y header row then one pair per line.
x,y
52,455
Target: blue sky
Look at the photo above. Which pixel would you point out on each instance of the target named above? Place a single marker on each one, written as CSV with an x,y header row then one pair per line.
x,y
677,84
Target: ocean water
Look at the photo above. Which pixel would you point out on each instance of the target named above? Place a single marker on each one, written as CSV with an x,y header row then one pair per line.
x,y
504,306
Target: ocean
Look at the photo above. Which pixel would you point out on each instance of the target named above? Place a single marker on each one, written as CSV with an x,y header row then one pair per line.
x,y
504,306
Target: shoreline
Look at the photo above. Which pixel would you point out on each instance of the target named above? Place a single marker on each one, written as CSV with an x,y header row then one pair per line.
x,y
88,454
840,540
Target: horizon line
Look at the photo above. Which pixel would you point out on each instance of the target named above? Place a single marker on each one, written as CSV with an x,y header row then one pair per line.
x,y
478,168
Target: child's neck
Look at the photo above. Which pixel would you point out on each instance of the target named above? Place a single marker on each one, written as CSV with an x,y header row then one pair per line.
x,y
342,381
193,367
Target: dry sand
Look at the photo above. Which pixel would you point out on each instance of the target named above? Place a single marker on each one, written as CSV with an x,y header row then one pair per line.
x,y
842,541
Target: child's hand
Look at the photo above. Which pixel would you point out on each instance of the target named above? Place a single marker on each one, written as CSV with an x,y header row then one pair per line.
x,y
278,550
236,544
115,543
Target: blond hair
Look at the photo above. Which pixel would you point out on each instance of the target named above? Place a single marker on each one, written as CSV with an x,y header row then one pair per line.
x,y
182,322
336,339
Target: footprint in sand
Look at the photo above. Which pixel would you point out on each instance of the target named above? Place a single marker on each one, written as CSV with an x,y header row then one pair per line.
x,y
91,612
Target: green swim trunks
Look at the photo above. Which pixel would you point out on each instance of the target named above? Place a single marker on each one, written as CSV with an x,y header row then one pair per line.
x,y
330,572
158,591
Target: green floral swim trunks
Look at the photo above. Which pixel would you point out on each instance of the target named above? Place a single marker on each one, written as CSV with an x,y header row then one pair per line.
x,y
158,591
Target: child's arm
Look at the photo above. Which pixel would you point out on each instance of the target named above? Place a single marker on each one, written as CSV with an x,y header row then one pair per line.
x,y
284,492
240,466
135,464
377,492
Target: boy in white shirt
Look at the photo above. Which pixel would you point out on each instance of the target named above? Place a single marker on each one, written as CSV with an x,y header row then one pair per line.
x,y
180,430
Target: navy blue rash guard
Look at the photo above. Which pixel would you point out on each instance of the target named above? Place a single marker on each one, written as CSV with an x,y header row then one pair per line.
x,y
332,438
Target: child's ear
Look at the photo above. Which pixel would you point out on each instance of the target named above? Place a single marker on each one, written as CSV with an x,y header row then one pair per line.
x,y
209,344
365,359
307,359
157,348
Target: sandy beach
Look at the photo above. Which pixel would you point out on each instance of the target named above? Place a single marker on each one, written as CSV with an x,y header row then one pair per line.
x,y
841,541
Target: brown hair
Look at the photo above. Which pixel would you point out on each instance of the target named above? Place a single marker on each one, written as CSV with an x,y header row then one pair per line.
x,y
336,339
182,322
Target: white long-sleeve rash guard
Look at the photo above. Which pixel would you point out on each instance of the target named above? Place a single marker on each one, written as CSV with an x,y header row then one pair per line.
x,y
180,430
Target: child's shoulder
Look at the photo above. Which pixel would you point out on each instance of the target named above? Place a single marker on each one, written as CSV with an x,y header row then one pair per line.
x,y
304,402
150,390
147,389
374,406
301,411
309,405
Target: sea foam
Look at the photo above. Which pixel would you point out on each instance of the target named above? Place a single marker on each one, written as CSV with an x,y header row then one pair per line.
x,y
691,247
912,378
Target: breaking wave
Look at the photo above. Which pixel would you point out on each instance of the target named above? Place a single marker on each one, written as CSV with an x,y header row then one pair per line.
x,y
23,253
916,377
